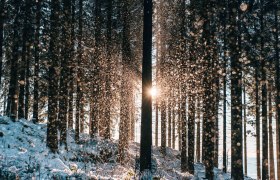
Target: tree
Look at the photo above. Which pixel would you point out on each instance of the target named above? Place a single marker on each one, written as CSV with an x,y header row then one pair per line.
x,y
183,108
13,95
271,151
79,104
146,113
126,84
2,16
35,117
277,80
53,73
71,68
66,51
236,93
23,68
108,70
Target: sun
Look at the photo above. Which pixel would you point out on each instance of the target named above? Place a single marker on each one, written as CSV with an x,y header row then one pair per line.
x,y
154,92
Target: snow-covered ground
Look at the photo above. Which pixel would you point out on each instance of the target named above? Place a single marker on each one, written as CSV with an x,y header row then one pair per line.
x,y
23,154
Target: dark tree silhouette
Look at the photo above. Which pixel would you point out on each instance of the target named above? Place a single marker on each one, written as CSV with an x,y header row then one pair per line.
x,y
146,113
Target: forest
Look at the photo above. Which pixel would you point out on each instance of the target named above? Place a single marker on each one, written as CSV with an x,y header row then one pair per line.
x,y
140,89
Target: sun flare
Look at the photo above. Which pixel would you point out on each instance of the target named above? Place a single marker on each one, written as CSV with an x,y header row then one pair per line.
x,y
154,92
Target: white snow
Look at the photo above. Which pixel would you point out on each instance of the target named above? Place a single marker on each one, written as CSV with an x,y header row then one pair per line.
x,y
23,154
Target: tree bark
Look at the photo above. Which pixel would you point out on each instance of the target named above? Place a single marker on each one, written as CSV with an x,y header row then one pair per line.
x,y
191,132
71,68
236,94
2,16
169,122
146,113
79,74
52,140
13,93
37,61
277,84
245,130
108,95
198,131
271,150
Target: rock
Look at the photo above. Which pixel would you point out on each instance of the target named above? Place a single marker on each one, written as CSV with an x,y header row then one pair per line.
x,y
1,134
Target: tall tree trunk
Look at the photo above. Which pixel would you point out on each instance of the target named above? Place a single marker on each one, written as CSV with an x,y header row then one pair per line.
x,y
264,103
79,74
95,124
156,126
236,94
82,116
13,94
271,151
27,85
132,118
179,123
163,126
225,112
71,69
257,122
277,84
63,98
22,67
191,132
183,113
126,85
209,113
198,131
146,113
217,100
37,61
108,95
184,166
169,122
173,125
245,130
2,16
52,140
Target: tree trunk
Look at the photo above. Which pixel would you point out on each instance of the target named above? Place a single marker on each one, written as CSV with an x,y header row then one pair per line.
x,y
163,126
13,94
2,16
184,166
156,126
245,131
66,55
52,140
126,86
264,103
236,94
198,131
108,95
191,132
22,66
71,69
37,61
225,115
257,121
79,74
217,100
169,122
146,113
277,84
27,85
271,150
173,126
225,88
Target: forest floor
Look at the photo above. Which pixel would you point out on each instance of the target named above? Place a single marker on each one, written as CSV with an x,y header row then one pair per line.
x,y
23,154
